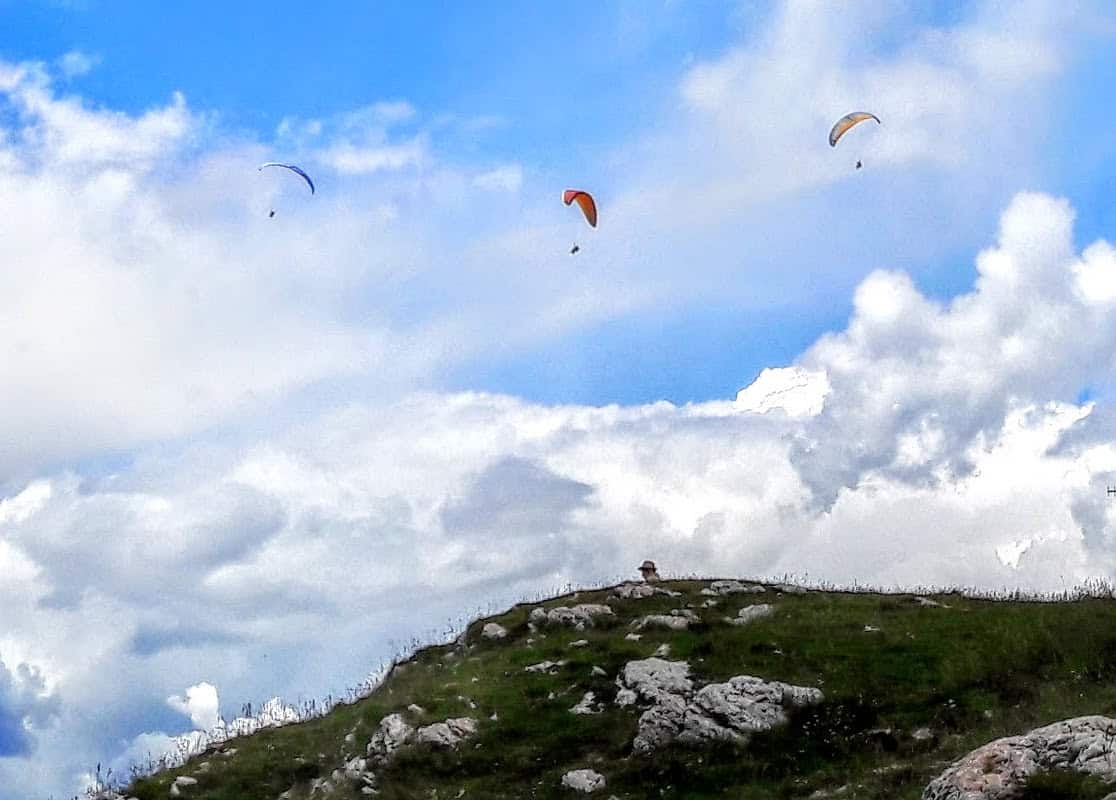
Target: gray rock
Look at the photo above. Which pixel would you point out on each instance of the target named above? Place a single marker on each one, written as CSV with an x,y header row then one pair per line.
x,y
750,613
674,622
546,666
494,630
720,711
730,587
996,770
416,709
634,637
626,697
637,591
583,780
598,672
585,705
355,768
578,617
393,733
662,651
448,734
579,643
926,602
790,588
654,678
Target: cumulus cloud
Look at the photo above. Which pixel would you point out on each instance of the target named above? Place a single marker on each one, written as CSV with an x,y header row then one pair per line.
x,y
151,308
916,381
926,443
26,705
200,705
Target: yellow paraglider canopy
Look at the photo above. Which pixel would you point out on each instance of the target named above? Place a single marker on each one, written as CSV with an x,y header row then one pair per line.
x,y
846,123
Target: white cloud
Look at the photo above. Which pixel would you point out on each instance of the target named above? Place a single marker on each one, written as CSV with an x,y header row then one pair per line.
x,y
916,448
507,178
200,705
151,307
76,63
350,159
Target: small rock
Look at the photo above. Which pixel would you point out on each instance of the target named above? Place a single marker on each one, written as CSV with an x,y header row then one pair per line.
x,y
583,780
578,617
871,629
637,591
494,630
662,651
598,672
545,666
788,588
416,709
585,705
673,622
580,643
392,734
634,637
751,613
185,780
730,587
447,734
626,697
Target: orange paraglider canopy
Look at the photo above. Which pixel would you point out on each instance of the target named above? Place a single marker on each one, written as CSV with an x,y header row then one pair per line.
x,y
585,201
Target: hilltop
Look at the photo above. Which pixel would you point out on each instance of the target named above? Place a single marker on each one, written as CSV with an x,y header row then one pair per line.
x,y
703,689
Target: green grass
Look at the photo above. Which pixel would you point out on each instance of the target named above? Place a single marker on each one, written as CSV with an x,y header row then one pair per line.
x,y
973,672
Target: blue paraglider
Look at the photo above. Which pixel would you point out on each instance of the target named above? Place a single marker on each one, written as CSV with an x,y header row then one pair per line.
x,y
294,169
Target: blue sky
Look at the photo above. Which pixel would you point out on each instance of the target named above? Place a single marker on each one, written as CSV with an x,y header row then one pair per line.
x,y
401,400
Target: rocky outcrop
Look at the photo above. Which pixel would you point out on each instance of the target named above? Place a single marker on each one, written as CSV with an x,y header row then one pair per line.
x,y
678,619
180,783
583,780
729,711
654,678
586,705
750,613
637,591
997,770
393,733
448,734
578,617
730,587
494,630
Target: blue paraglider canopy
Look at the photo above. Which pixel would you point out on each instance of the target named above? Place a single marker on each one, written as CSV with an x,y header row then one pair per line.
x,y
294,169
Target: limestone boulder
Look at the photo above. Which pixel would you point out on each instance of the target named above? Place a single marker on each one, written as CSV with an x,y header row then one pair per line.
x,y
583,780
997,770
717,588
448,734
578,617
494,631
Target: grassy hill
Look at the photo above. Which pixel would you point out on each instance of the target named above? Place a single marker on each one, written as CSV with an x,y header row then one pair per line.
x,y
888,665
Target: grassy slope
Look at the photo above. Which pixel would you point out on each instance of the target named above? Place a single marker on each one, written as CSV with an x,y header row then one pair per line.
x,y
973,672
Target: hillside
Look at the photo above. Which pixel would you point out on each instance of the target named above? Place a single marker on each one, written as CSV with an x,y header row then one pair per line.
x,y
879,693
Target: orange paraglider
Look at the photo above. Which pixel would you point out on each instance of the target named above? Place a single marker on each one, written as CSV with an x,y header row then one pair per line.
x,y
584,201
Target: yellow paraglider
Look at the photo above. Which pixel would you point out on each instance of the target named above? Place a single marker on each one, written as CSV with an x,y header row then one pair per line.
x,y
847,123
